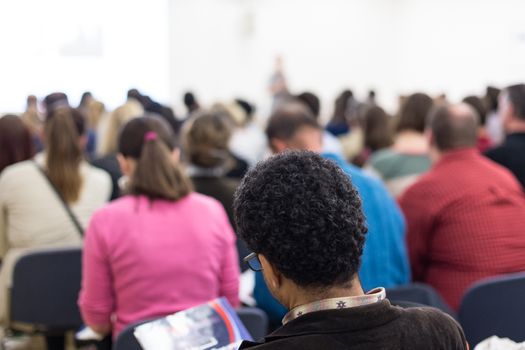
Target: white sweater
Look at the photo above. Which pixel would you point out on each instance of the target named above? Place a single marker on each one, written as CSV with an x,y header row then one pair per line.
x,y
31,214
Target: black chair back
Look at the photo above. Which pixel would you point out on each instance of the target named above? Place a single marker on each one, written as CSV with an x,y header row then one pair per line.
x,y
45,291
418,293
255,320
494,307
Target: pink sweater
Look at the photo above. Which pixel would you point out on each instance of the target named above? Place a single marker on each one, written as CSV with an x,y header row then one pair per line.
x,y
142,260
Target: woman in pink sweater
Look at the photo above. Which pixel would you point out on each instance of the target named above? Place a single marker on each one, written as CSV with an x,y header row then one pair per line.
x,y
160,249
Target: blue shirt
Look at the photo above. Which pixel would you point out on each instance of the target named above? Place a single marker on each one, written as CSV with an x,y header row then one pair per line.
x,y
384,261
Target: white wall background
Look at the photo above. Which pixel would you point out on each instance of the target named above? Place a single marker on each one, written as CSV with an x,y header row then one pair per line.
x,y
105,46
223,48
226,48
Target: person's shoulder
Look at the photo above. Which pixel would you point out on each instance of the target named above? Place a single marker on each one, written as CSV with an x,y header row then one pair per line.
x,y
429,181
18,174
98,175
432,326
202,202
385,155
16,169
499,172
360,179
119,207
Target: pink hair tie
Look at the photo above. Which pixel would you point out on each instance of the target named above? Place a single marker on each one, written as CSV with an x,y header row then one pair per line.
x,y
150,136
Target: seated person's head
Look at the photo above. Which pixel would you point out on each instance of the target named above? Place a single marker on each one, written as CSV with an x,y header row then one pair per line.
x,y
292,126
479,106
311,101
452,127
248,109
15,141
149,157
511,108
413,113
302,217
377,128
54,101
190,102
206,138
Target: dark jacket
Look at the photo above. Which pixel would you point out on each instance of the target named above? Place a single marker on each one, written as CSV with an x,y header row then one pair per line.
x,y
222,189
511,154
110,164
374,326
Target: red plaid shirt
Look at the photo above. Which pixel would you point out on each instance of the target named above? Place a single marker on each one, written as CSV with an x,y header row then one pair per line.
x,y
466,221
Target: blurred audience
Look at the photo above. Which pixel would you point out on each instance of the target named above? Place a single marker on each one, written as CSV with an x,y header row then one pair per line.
x,y
277,85
385,261
15,141
230,165
206,137
377,133
352,142
330,143
307,238
174,207
155,107
511,154
484,142
191,103
494,124
109,138
33,194
85,101
92,111
159,249
34,121
400,165
338,124
465,216
248,140
55,101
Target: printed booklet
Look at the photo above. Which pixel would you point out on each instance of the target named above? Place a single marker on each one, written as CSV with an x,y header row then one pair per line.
x,y
213,325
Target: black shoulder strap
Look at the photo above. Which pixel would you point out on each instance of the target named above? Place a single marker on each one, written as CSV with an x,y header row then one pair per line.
x,y
64,204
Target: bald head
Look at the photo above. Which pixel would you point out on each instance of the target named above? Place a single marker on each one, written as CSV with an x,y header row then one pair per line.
x,y
453,126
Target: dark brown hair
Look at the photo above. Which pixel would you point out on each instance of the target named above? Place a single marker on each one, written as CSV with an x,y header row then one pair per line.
x,y
453,127
63,128
150,141
341,107
288,119
15,141
311,101
414,112
377,127
478,105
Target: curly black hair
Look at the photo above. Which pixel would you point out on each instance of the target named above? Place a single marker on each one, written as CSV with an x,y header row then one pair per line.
x,y
303,214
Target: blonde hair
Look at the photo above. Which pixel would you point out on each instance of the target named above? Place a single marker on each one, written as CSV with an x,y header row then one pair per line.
x,y
116,120
95,111
206,138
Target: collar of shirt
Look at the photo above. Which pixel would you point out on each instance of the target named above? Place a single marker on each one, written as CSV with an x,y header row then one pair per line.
x,y
371,297
458,154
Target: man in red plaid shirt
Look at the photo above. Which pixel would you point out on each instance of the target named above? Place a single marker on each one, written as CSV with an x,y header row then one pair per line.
x,y
466,216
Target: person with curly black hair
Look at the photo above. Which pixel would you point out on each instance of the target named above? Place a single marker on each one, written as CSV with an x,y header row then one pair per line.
x,y
385,260
302,217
